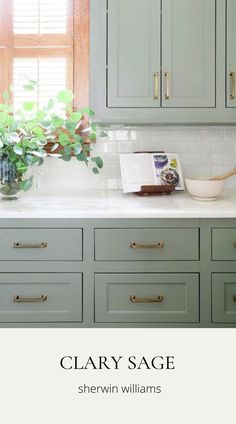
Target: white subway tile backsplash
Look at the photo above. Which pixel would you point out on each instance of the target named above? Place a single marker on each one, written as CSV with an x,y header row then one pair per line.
x,y
203,151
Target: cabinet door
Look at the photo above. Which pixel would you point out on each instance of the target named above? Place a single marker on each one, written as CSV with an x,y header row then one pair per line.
x,y
133,53
231,54
189,53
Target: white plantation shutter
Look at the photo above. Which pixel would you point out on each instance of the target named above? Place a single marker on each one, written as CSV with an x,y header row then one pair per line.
x,y
40,16
48,41
50,74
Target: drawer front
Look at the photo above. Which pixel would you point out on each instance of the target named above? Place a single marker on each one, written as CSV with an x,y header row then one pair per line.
x,y
40,298
224,298
147,298
40,244
224,244
154,244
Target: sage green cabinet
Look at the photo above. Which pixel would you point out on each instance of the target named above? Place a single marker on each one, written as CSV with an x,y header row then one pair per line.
x,y
231,56
41,297
188,53
224,298
133,53
164,61
145,244
147,298
128,272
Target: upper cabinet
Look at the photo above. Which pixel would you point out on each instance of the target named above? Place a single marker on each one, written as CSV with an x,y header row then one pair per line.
x,y
163,61
133,53
188,53
231,53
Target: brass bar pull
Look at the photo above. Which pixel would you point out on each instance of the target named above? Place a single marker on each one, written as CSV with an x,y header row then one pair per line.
x,y
158,245
42,245
156,86
167,80
232,85
234,298
21,299
156,299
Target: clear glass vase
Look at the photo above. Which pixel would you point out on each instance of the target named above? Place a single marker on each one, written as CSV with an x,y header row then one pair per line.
x,y
11,183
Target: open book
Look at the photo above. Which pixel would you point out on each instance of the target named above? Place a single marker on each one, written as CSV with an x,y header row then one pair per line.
x,y
139,169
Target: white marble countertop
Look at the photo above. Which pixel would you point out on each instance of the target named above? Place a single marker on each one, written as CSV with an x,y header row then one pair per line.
x,y
115,204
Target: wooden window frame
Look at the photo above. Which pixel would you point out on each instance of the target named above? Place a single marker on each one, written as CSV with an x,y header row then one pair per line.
x,y
13,46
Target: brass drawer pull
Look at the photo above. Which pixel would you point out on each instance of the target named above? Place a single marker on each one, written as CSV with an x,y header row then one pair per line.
x,y
20,299
156,86
232,85
234,298
157,299
42,245
158,245
167,79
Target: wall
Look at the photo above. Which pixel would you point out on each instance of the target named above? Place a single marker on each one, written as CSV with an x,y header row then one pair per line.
x,y
203,151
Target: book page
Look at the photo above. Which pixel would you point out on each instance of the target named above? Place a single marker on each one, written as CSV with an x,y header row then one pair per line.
x,y
136,170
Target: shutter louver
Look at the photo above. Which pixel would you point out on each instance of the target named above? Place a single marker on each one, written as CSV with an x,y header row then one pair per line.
x,y
50,74
40,16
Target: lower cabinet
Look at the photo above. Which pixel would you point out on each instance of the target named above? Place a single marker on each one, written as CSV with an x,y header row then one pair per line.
x,y
224,298
165,298
118,272
41,297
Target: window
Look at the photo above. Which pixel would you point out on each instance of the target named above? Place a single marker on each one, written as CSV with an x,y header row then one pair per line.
x,y
46,41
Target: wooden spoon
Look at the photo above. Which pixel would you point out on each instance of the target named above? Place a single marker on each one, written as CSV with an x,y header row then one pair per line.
x,y
224,176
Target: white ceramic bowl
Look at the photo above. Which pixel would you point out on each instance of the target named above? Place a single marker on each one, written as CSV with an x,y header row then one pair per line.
x,y
203,189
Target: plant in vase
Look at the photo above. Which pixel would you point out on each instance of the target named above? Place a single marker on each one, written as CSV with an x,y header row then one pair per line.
x,y
29,135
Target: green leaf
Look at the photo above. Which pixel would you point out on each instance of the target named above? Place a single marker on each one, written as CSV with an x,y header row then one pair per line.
x,y
21,167
40,115
71,126
38,131
50,104
28,106
95,171
28,87
63,139
65,157
1,143
67,150
88,111
77,148
6,108
26,184
57,121
98,161
93,137
18,150
75,116
94,127
82,157
6,96
65,96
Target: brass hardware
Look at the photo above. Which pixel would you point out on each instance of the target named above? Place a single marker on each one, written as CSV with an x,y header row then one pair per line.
x,y
20,299
167,79
158,245
156,86
156,299
234,298
42,245
232,85
234,243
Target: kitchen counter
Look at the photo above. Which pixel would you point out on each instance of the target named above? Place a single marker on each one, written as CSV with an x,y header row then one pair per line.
x,y
115,204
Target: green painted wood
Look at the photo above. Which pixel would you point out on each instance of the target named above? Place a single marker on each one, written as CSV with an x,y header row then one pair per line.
x,y
223,244
231,56
140,115
63,291
224,298
178,244
180,294
133,52
189,52
62,244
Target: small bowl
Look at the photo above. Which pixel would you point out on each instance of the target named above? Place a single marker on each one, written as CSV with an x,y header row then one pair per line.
x,y
204,189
